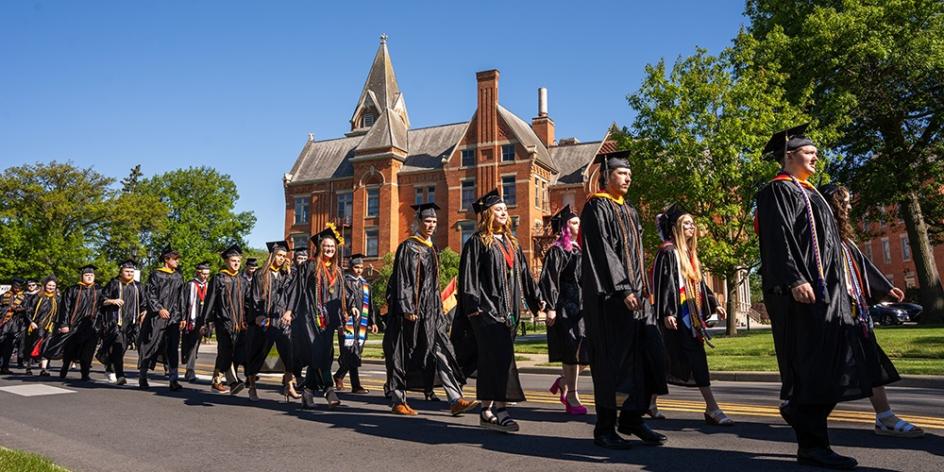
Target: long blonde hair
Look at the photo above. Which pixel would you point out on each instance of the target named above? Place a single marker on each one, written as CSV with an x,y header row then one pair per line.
x,y
687,249
487,229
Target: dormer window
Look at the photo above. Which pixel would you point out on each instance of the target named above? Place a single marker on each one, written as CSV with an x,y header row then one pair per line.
x,y
368,119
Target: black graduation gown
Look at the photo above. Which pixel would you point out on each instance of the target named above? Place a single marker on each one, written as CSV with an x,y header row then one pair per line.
x,y
875,287
819,355
81,305
13,317
268,299
409,346
487,285
560,286
225,307
686,361
628,354
316,304
43,311
162,290
115,336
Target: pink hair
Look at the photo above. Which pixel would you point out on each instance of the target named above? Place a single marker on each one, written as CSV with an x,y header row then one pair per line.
x,y
565,240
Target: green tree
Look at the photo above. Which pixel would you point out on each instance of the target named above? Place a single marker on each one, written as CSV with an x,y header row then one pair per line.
x,y
696,140
448,266
57,217
874,70
201,216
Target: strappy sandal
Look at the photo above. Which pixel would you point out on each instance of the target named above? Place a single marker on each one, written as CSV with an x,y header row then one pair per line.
x,y
498,422
654,412
333,400
718,418
901,429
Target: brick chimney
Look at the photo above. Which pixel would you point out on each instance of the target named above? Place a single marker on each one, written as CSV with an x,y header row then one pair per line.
x,y
542,124
486,133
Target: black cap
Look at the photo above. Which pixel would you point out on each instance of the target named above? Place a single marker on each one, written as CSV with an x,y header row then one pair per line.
x,y
830,189
127,264
613,160
301,250
252,263
562,217
87,269
277,245
168,252
32,280
357,259
425,210
18,281
233,250
487,201
203,266
328,232
666,220
787,140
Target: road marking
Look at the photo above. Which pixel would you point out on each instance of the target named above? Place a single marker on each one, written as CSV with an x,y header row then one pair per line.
x,y
35,390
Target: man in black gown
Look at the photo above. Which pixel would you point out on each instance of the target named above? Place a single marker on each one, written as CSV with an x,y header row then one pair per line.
x,y
818,353
81,306
124,304
12,317
416,341
159,335
627,357
226,309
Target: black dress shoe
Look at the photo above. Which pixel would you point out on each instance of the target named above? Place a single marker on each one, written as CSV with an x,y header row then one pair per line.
x,y
645,433
825,457
143,383
175,385
611,441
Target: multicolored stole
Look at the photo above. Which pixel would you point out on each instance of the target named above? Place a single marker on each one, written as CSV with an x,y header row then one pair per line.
x,y
355,328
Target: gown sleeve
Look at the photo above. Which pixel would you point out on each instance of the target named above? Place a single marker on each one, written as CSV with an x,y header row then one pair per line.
x,y
469,285
68,299
877,285
212,299
550,276
665,283
607,273
530,290
152,293
777,206
405,273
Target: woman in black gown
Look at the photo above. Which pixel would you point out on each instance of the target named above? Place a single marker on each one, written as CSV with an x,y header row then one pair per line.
x,y
560,287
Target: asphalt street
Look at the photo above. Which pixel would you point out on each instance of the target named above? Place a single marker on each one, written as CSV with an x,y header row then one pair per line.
x,y
96,426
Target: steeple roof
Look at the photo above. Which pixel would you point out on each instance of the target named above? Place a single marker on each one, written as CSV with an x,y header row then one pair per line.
x,y
381,90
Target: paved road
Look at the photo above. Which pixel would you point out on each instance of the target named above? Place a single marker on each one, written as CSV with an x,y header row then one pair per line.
x,y
99,427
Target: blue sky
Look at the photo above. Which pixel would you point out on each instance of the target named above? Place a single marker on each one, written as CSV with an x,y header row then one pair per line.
x,y
238,85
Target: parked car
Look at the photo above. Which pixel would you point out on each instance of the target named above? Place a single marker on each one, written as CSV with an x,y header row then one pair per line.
x,y
712,320
888,314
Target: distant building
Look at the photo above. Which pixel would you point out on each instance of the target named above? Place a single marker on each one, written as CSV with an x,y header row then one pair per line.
x,y
889,249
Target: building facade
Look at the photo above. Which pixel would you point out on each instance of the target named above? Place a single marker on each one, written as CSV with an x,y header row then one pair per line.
x,y
366,181
888,247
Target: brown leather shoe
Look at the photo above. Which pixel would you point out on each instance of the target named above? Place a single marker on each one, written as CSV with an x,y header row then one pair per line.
x,y
463,406
403,409
219,388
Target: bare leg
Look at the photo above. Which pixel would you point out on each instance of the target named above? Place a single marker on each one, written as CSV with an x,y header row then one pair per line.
x,y
570,383
710,403
879,400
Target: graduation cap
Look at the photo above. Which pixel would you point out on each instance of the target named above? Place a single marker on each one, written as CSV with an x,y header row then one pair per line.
x,y
252,263
277,246
562,217
357,259
666,220
31,281
425,210
127,264
829,190
87,269
612,160
328,232
487,201
233,250
203,266
168,252
18,281
784,141
301,250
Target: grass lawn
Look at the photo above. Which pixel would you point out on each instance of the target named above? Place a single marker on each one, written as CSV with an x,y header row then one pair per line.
x,y
18,460
913,350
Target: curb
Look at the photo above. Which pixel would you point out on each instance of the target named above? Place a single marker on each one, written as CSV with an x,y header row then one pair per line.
x,y
910,381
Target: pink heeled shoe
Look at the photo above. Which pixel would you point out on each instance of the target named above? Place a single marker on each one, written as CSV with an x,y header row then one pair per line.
x,y
556,386
575,410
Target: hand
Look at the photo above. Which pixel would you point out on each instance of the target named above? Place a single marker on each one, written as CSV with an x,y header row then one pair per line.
x,y
474,313
896,294
118,302
355,312
722,313
542,306
64,329
164,314
671,322
203,331
183,325
33,326
631,302
373,329
804,293
260,320
287,318
243,325
551,318
410,316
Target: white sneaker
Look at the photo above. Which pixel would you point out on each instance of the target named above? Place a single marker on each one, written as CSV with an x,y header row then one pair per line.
x,y
112,378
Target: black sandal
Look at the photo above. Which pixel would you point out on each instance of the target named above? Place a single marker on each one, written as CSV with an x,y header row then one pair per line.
x,y
498,422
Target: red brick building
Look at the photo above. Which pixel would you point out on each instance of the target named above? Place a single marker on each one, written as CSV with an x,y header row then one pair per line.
x,y
890,250
366,180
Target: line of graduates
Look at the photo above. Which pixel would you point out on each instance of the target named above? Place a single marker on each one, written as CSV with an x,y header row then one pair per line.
x,y
639,329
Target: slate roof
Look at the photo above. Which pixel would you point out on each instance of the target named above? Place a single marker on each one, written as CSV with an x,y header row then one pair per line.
x,y
572,159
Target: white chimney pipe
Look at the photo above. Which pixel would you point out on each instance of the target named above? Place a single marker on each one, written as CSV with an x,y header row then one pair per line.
x,y
542,101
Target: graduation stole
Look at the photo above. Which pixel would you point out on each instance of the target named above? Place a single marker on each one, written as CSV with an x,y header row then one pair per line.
x,y
803,185
50,317
854,278
629,234
75,309
15,300
506,253
166,270
690,301
198,292
137,308
355,329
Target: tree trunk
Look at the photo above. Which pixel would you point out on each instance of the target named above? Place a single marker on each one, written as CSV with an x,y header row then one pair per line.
x,y
929,279
730,301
